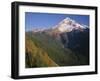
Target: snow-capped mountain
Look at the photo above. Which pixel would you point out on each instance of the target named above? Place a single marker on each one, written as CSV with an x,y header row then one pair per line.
x,y
67,25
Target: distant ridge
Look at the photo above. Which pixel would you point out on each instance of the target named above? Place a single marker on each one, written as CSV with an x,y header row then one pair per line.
x,y
66,25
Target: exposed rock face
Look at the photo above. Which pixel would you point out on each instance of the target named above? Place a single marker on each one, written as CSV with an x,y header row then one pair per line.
x,y
76,40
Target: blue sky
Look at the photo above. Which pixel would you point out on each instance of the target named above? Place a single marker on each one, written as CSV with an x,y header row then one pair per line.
x,y
47,20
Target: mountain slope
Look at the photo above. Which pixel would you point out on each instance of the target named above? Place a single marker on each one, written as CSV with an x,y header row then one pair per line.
x,y
53,49
36,57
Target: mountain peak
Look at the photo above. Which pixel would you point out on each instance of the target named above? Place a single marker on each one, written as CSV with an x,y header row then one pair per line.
x,y
68,24
68,19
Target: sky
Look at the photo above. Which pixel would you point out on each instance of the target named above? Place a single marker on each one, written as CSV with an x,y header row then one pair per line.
x,y
47,20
